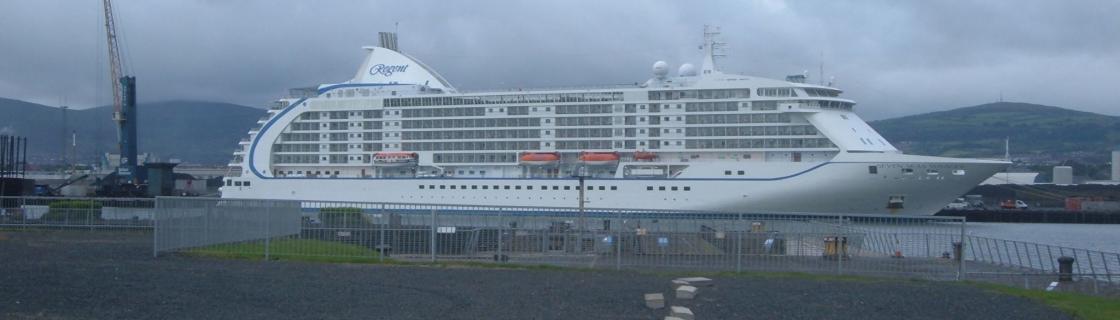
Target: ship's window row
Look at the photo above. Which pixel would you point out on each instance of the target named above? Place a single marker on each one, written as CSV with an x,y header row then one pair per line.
x,y
506,99
758,143
474,157
444,112
472,134
711,107
584,121
518,187
776,92
584,109
472,145
668,188
816,92
737,118
738,172
700,94
751,131
471,123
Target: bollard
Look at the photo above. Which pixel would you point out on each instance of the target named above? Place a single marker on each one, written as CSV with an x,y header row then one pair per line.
x,y
958,250
1065,269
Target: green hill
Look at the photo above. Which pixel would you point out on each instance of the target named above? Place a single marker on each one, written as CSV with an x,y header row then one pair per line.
x,y
979,131
193,131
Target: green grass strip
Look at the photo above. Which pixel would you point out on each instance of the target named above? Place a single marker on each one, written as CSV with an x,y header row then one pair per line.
x,y
1079,305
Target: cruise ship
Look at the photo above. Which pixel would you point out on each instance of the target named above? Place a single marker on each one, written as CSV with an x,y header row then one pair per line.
x,y
699,139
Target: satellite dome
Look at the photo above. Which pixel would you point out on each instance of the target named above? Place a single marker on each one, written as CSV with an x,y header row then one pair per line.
x,y
687,70
660,69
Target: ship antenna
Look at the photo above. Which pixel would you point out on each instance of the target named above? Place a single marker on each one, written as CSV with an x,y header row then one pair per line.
x,y
713,47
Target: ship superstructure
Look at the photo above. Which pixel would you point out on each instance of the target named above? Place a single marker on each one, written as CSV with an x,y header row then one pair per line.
x,y
700,140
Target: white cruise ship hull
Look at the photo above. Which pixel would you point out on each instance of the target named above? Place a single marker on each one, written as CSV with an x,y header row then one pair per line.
x,y
839,186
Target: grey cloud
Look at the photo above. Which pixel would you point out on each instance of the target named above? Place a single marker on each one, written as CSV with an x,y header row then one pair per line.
x,y
893,57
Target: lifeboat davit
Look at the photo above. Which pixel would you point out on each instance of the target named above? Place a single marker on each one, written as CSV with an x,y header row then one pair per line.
x,y
598,158
394,158
644,156
539,158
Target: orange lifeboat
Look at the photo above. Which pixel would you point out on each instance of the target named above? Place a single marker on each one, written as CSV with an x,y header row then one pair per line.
x,y
598,158
539,158
394,158
644,156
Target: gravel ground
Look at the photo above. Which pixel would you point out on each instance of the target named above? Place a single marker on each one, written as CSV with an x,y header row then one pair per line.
x,y
105,275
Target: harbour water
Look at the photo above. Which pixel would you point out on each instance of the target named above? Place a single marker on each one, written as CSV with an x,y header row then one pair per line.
x,y
1100,237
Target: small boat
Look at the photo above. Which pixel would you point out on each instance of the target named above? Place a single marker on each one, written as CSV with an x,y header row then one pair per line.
x,y
645,156
539,158
598,158
391,159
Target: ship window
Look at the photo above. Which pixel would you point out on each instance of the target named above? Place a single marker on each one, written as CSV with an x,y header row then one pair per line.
x,y
602,188
485,187
237,183
464,187
740,172
661,188
544,187
431,186
442,187
687,188
229,183
674,188
649,188
474,186
496,187
567,187
614,188
727,172
246,183
907,171
555,187
421,187
517,187
452,187
506,187
872,169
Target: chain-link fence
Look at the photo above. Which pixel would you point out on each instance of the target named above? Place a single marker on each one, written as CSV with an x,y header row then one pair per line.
x,y
76,213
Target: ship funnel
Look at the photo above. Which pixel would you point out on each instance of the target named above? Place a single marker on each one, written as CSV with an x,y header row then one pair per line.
x,y
388,40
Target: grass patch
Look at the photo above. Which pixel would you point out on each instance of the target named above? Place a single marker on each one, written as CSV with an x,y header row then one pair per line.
x,y
1079,305
291,250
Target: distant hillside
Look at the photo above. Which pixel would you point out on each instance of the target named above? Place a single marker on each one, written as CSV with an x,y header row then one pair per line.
x,y
193,131
979,131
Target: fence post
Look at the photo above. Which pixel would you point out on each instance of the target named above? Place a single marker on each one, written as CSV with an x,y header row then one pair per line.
x,y
267,234
841,247
501,234
155,228
432,232
381,242
739,245
618,242
960,257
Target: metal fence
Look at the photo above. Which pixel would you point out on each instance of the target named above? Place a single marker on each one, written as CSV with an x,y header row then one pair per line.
x,y
183,223
595,238
878,245
76,213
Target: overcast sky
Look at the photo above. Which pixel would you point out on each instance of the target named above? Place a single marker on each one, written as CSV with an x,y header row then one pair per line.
x,y
893,57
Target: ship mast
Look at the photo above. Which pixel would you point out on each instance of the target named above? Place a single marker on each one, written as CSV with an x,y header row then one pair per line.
x,y
713,48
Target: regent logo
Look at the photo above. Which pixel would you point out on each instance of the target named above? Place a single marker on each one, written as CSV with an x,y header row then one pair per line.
x,y
387,70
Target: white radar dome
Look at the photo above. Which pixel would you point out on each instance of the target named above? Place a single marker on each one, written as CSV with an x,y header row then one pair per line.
x,y
660,69
687,70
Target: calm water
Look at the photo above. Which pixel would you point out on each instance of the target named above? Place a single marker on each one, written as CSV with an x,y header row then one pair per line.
x,y
1101,237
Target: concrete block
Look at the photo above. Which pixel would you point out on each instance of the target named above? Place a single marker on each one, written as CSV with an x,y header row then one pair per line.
x,y
678,283
681,312
655,300
697,281
686,292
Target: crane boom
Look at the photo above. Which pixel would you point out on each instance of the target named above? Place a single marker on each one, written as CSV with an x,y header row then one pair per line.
x,y
114,58
124,103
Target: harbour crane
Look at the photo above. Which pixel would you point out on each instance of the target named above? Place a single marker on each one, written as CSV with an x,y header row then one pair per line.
x,y
124,104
